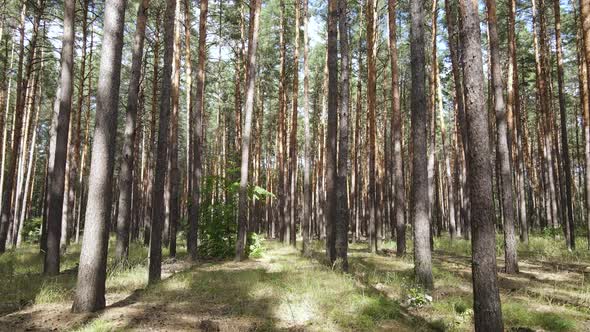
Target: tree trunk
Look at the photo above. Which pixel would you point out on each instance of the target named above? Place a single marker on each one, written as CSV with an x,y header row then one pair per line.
x,y
503,144
255,6
194,210
307,187
90,289
396,135
127,160
488,314
341,225
158,212
331,175
293,139
419,199
58,160
571,241
371,105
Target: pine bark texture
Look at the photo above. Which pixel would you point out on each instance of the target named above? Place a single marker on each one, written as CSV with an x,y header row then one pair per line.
x,y
90,289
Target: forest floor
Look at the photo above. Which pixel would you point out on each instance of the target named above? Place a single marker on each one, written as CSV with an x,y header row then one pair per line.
x,y
283,291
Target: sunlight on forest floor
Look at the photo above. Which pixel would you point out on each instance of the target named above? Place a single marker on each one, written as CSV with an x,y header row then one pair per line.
x,y
284,291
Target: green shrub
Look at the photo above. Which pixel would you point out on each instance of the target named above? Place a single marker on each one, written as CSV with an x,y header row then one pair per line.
x,y
32,230
255,248
218,220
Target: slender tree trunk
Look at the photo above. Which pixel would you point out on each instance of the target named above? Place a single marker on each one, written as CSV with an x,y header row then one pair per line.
x,y
293,139
90,289
174,172
57,165
503,145
419,199
281,125
396,134
307,185
127,161
331,175
488,314
371,105
585,27
341,225
158,212
194,210
255,6
571,241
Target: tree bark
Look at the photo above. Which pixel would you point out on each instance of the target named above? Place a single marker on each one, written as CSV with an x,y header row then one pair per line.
x,y
255,6
488,314
307,186
127,160
371,105
57,167
419,193
503,145
158,212
341,226
571,241
331,175
90,289
194,210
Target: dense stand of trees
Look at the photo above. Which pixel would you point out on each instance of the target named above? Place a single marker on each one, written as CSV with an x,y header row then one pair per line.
x,y
340,121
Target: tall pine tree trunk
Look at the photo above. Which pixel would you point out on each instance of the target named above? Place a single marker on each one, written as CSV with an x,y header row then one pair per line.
x,y
419,194
488,314
90,289
255,6
127,161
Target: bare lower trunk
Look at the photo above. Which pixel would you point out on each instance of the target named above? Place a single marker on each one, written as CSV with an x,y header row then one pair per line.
x,y
419,194
255,6
307,186
127,160
341,226
488,314
396,134
158,212
194,209
90,289
503,145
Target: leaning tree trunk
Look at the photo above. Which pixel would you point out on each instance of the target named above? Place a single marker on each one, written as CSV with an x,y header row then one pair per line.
x,y
488,314
503,147
419,192
250,89
90,289
127,160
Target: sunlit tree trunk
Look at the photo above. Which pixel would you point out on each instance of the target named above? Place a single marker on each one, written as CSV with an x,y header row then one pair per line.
x,y
194,208
487,311
90,289
255,6
503,144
